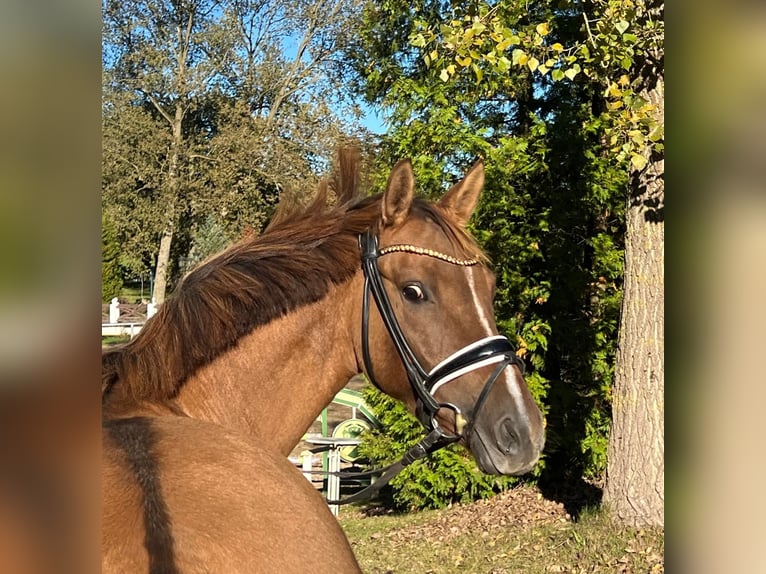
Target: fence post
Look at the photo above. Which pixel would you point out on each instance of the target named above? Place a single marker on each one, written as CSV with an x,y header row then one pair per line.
x,y
151,308
333,480
307,461
114,310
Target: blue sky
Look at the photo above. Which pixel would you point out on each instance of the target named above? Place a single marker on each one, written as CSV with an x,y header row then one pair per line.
x,y
373,120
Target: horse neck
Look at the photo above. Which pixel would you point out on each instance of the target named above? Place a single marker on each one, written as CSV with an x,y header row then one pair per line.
x,y
276,380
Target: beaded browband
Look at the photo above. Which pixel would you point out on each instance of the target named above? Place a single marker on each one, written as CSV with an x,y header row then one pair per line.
x,y
403,248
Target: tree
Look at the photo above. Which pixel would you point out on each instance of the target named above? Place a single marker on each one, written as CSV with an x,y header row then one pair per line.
x,y
550,216
616,48
214,106
155,52
635,488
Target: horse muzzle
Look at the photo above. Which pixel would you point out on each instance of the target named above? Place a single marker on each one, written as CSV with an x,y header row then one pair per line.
x,y
504,447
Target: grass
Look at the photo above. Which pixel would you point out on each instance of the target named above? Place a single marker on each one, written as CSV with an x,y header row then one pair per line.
x,y
390,544
132,292
114,340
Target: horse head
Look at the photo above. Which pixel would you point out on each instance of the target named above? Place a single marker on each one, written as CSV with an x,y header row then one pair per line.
x,y
430,338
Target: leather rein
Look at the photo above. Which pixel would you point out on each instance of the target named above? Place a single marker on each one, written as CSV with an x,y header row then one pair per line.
x,y
492,350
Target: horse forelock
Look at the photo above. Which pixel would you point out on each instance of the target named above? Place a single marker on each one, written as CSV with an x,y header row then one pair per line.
x,y
295,262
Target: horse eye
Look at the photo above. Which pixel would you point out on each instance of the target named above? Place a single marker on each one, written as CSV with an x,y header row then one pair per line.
x,y
413,292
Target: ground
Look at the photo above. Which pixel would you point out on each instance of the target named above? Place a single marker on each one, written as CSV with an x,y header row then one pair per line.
x,y
516,531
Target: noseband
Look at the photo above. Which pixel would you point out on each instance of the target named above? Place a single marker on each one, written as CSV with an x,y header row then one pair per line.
x,y
491,350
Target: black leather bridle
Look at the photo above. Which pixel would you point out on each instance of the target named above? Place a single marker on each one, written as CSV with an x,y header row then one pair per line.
x,y
492,350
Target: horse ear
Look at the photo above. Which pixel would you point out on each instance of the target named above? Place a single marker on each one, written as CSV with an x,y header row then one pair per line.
x,y
461,199
397,199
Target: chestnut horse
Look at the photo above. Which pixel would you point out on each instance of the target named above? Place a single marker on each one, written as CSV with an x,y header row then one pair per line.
x,y
203,406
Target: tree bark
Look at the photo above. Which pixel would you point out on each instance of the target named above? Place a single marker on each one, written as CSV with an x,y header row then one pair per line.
x,y
161,274
635,491
174,189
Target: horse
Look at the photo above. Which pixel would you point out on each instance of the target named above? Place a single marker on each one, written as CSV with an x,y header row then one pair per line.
x,y
202,408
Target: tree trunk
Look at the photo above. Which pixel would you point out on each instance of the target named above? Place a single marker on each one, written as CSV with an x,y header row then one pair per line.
x,y
635,488
161,273
174,188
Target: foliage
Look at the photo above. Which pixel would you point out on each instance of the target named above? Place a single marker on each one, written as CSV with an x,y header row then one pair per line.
x,y
445,477
552,213
208,239
212,109
111,276
619,36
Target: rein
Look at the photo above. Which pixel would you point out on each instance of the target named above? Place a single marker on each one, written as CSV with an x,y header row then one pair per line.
x,y
490,350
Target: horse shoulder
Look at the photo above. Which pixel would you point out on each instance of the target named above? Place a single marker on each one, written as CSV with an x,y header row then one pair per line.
x,y
233,506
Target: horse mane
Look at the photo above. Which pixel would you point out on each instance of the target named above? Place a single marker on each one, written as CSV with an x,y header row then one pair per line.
x,y
304,251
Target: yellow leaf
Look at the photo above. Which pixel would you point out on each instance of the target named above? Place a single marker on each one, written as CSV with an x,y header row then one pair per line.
x,y
542,29
478,72
624,80
557,47
434,54
638,161
443,75
523,59
451,69
533,63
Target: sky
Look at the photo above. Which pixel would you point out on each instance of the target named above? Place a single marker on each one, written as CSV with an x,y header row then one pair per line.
x,y
373,120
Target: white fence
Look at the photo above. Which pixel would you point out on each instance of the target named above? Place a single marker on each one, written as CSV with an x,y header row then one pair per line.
x,y
124,319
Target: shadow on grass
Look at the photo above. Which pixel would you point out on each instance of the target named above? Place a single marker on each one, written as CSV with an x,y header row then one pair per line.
x,y
576,494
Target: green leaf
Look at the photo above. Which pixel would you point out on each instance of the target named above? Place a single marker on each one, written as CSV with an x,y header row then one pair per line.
x,y
557,74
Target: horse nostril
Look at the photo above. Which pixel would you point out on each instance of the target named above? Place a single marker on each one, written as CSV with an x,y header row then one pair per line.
x,y
507,439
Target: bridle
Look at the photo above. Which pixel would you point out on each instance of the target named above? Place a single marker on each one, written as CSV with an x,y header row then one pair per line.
x,y
492,350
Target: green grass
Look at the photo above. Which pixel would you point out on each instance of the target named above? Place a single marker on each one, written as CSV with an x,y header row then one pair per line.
x,y
114,340
391,544
132,292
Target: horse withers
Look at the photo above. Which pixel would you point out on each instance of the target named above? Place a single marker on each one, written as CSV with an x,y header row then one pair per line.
x,y
257,340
